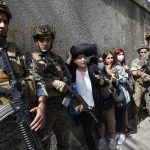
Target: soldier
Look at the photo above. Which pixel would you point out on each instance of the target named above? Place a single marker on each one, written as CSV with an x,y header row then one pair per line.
x,y
141,78
10,137
147,70
57,78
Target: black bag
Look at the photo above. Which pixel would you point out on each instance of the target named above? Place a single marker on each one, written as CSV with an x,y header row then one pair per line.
x,y
118,95
107,102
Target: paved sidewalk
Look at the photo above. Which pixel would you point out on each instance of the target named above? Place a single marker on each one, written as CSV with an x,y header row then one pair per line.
x,y
139,141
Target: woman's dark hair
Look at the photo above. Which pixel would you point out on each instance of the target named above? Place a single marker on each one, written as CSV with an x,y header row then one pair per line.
x,y
117,52
105,54
95,59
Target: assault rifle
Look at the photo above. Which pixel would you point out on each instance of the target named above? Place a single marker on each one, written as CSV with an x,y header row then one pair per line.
x,y
18,105
74,95
71,93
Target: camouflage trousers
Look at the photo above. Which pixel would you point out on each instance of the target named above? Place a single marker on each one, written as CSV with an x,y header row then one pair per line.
x,y
56,121
10,138
138,94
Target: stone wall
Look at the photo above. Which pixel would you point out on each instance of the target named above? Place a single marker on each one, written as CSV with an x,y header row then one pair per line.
x,y
108,23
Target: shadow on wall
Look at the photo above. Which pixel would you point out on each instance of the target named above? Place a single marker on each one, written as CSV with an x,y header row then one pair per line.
x,y
134,22
134,11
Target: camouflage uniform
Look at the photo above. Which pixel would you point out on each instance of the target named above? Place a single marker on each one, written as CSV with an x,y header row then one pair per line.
x,y
145,63
25,71
147,95
10,137
56,113
140,87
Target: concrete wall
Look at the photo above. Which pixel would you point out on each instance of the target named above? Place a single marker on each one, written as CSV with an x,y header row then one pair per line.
x,y
108,23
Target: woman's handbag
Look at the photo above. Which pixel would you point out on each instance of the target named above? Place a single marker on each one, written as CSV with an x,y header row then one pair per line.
x,y
118,95
107,102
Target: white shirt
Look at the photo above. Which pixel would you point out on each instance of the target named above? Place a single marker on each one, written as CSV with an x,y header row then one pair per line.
x,y
84,87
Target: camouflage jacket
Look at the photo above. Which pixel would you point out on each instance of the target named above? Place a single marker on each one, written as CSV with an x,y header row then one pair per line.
x,y
52,67
25,70
135,64
141,64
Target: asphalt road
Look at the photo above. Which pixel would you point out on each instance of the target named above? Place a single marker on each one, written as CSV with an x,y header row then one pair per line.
x,y
140,140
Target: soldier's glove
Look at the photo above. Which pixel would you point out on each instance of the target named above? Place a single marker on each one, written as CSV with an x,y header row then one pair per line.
x,y
145,77
60,86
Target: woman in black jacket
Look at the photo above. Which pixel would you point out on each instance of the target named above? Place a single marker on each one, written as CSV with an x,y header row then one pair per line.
x,y
87,87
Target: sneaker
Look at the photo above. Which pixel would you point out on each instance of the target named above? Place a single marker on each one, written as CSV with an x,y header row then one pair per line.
x,y
121,139
129,130
112,144
101,144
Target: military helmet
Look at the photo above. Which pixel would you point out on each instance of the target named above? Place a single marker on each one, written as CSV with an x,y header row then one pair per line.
x,y
42,31
4,8
143,46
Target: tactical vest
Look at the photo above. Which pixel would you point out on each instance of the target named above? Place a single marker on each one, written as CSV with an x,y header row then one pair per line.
x,y
17,66
48,75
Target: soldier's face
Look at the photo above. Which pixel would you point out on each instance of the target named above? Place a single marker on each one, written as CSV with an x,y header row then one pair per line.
x,y
143,52
4,22
45,43
81,61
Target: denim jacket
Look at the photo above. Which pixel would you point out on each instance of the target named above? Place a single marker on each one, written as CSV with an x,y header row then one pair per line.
x,y
122,79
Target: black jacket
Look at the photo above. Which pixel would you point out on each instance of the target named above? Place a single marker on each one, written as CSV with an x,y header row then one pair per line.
x,y
95,88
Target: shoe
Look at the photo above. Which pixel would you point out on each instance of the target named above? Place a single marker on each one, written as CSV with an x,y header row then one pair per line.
x,y
121,139
129,130
101,144
112,144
